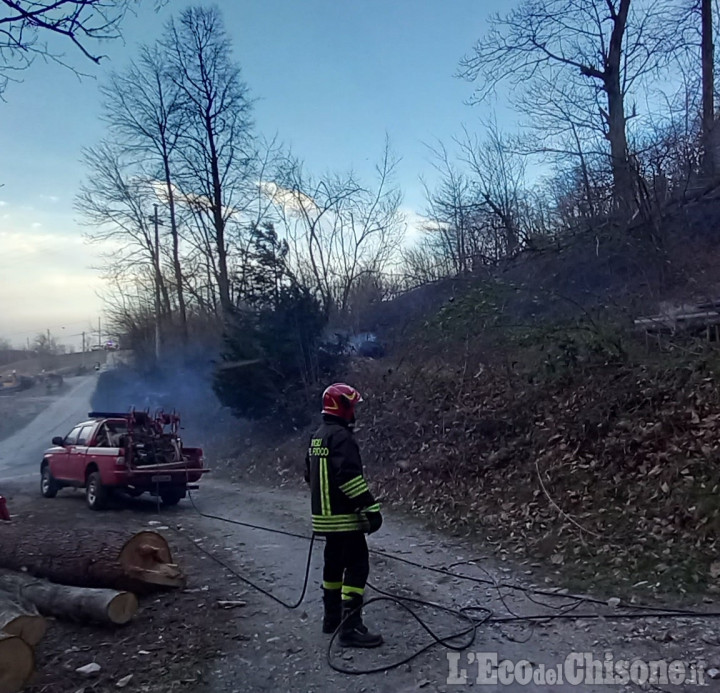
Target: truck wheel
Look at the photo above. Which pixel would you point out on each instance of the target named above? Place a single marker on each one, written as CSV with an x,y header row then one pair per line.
x,y
48,486
95,492
172,496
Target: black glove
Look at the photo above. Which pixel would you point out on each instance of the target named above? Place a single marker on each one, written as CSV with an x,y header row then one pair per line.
x,y
375,521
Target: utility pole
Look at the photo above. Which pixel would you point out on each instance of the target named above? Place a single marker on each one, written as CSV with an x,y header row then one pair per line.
x,y
99,333
156,223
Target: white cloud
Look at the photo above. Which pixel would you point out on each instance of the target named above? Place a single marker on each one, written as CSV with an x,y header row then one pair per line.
x,y
292,201
61,280
46,276
17,245
192,200
3,203
416,223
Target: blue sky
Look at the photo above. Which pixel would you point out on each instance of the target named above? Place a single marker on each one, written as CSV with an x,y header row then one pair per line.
x,y
330,77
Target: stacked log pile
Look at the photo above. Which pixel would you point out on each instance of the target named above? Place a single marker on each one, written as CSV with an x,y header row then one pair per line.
x,y
88,576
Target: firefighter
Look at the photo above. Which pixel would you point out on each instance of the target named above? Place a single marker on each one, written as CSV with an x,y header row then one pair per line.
x,y
343,511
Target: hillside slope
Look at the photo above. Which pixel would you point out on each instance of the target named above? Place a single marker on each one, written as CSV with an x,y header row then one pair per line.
x,y
567,442
612,475
520,407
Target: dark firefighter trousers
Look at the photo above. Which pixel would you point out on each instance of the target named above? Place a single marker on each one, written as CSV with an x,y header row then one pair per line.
x,y
347,563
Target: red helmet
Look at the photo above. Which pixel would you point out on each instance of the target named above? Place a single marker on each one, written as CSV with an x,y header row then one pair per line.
x,y
339,400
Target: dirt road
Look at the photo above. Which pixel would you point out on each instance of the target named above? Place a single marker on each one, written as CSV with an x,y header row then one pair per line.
x,y
287,652
262,646
21,453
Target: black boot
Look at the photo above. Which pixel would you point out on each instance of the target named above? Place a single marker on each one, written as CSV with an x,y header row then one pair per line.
x,y
332,601
353,632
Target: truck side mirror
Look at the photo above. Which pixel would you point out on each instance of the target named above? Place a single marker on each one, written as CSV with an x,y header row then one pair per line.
x,y
58,440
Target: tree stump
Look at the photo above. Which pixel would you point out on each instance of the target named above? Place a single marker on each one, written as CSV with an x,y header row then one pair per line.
x,y
17,663
21,618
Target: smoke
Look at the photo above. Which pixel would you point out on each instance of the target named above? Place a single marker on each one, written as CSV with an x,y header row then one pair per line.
x,y
182,383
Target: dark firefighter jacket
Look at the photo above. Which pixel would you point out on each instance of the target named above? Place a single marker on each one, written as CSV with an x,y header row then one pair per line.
x,y
340,494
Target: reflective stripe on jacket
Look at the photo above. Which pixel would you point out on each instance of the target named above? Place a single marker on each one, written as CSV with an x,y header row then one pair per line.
x,y
339,491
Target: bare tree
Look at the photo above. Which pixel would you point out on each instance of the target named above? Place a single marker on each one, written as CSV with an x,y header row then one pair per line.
x,y
423,263
499,180
144,108
117,204
24,25
450,231
479,211
609,44
338,229
217,143
45,343
564,127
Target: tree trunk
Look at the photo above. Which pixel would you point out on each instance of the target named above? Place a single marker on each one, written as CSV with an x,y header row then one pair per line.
x,y
509,228
708,89
92,558
161,292
218,221
176,248
16,663
590,209
617,123
80,604
21,619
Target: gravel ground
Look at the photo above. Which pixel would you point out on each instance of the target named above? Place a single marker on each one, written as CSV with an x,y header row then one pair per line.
x,y
182,641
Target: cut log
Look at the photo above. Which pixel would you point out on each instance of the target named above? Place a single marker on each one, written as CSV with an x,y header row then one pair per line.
x,y
16,663
82,604
91,557
20,618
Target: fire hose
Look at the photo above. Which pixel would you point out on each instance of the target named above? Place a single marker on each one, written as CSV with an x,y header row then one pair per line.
x,y
471,617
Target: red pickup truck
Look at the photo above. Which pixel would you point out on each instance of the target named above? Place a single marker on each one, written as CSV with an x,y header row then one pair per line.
x,y
133,452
